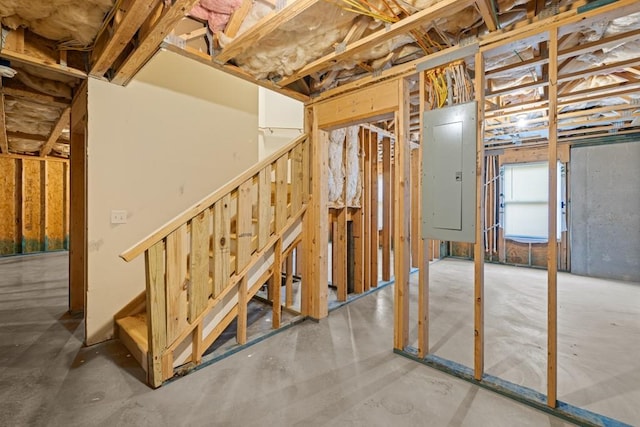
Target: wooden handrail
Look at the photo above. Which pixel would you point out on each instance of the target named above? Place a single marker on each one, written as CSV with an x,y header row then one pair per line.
x,y
205,203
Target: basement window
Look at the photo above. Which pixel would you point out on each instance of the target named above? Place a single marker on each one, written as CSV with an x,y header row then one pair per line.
x,y
525,201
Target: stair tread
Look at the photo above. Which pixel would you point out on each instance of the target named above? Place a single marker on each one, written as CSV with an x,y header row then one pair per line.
x,y
136,327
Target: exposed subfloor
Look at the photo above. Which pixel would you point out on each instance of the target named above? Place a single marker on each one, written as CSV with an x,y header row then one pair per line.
x,y
340,371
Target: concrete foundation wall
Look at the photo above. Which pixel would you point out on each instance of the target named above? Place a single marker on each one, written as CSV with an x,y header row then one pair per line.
x,y
605,211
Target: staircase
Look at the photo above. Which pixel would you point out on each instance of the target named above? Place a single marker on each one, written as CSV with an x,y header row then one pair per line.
x,y
204,266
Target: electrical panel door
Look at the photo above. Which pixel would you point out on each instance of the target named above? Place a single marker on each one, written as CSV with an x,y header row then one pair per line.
x,y
449,173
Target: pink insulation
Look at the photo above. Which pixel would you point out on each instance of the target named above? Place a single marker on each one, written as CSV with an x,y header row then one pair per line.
x,y
216,12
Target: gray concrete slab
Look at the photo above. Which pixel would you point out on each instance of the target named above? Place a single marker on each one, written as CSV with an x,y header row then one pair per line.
x,y
340,371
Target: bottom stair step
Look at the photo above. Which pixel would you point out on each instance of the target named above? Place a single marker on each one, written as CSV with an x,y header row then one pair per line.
x,y
133,334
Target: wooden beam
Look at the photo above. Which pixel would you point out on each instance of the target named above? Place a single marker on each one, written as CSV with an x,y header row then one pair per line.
x,y
152,40
40,98
387,205
194,34
339,251
63,121
478,247
552,248
485,7
4,144
316,223
263,28
423,249
156,312
401,215
237,17
133,15
373,201
424,17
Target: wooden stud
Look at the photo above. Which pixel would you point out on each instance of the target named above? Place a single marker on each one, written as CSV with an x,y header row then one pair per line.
x,y
424,244
199,288
241,333
264,206
478,248
276,283
288,302
156,314
316,221
4,144
243,226
402,252
176,283
78,221
415,208
198,347
386,209
282,168
358,251
365,140
339,246
552,248
374,202
8,190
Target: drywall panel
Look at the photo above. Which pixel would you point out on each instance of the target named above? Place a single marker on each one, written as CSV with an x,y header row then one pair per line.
x,y
605,211
176,133
8,214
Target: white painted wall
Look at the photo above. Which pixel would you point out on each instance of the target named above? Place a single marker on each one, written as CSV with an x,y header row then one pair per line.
x,y
280,119
176,133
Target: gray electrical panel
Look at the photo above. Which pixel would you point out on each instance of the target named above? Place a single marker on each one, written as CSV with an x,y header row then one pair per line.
x,y
449,173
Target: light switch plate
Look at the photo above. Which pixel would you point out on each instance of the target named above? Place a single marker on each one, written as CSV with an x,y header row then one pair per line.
x,y
118,217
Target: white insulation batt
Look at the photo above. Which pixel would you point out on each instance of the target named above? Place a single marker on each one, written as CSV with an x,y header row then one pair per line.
x,y
345,182
61,20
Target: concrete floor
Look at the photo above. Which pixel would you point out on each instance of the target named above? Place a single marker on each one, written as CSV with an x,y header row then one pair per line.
x,y
336,372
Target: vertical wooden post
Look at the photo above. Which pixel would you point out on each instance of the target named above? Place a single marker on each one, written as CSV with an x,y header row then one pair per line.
x,y
316,223
478,248
156,312
44,205
358,251
65,206
401,243
365,137
196,339
339,246
373,231
552,248
176,276
241,331
415,202
386,208
288,300
264,206
243,226
221,244
199,288
276,285
282,169
423,244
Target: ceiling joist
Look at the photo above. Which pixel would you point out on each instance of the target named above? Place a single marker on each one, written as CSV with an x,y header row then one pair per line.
x,y
152,39
263,28
62,122
407,24
132,14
